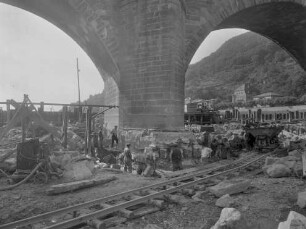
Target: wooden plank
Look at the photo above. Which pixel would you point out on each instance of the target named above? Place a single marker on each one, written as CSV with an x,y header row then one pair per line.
x,y
145,211
72,186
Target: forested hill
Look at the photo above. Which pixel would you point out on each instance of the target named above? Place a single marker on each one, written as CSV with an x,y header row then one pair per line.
x,y
248,58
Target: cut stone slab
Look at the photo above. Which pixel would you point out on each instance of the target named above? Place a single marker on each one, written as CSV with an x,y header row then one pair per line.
x,y
230,187
231,218
278,170
72,186
225,201
294,221
79,170
301,199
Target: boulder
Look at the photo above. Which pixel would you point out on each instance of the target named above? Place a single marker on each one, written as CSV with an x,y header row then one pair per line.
x,y
79,170
230,218
61,159
225,201
288,163
270,161
301,201
278,170
294,221
230,187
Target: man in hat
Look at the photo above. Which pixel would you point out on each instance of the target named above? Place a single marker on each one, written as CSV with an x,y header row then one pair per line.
x,y
152,155
114,133
176,156
127,158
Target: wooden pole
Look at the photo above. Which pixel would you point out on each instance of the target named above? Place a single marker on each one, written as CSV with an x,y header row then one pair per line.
x,y
65,126
79,91
88,117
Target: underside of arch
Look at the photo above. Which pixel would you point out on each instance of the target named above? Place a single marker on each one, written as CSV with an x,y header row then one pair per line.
x,y
283,22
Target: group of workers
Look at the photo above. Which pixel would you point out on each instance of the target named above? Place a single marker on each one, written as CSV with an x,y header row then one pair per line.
x,y
144,163
215,147
224,148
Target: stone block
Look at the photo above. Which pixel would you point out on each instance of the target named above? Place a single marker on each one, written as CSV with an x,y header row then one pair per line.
x,y
278,170
231,218
294,221
79,170
230,187
225,201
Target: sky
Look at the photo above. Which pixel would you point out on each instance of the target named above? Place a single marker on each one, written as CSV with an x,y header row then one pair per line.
x,y
38,59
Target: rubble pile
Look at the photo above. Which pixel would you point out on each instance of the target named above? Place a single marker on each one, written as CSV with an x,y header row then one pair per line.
x,y
60,157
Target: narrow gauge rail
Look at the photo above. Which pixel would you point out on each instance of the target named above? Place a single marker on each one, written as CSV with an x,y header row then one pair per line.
x,y
157,190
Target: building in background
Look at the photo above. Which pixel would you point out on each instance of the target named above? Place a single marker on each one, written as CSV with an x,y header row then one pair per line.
x,y
242,94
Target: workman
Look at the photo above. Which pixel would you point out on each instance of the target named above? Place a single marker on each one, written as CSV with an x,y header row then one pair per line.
x,y
176,156
114,134
100,140
127,158
139,163
152,155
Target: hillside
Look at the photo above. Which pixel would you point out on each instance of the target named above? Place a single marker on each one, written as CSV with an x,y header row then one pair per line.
x,y
248,58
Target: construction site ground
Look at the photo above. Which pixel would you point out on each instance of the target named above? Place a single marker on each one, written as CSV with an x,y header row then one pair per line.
x,y
265,204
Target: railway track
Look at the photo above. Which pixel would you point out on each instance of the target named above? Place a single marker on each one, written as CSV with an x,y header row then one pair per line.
x,y
121,201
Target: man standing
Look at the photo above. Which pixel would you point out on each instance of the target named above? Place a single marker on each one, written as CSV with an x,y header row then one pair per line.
x,y
176,157
127,158
114,133
152,155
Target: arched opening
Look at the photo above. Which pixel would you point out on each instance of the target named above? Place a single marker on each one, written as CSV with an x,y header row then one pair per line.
x,y
270,58
39,59
67,17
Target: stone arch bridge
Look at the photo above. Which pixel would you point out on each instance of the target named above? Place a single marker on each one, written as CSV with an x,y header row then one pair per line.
x,y
142,48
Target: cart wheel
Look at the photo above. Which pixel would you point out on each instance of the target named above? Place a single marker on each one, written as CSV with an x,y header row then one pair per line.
x,y
40,177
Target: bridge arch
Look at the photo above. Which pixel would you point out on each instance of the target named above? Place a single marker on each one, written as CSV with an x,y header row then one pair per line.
x,y
281,21
90,27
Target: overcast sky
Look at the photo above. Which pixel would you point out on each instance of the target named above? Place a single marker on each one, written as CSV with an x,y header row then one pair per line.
x,y
39,59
